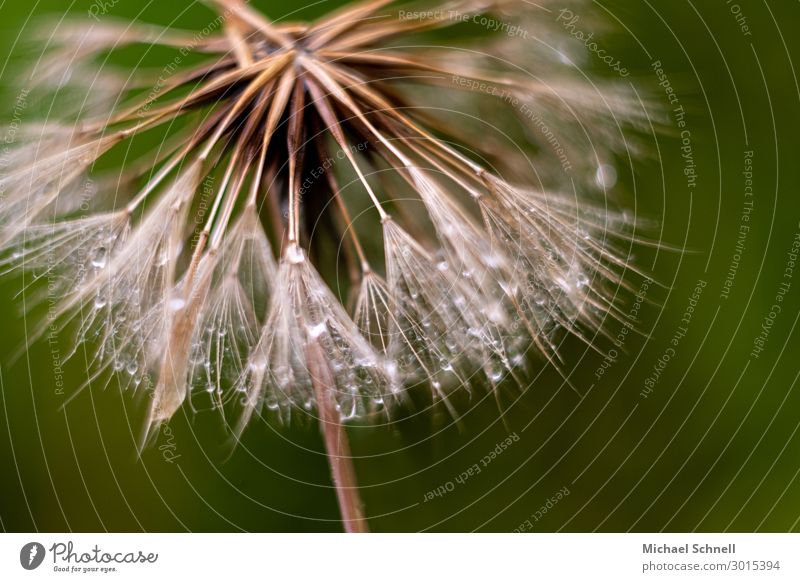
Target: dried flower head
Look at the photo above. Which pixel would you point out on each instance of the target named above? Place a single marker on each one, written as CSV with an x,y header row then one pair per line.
x,y
205,267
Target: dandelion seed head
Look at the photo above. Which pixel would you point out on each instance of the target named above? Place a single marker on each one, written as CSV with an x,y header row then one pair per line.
x,y
204,267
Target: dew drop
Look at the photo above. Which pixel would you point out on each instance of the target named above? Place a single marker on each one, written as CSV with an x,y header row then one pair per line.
x,y
99,258
314,331
493,371
496,313
295,255
564,58
606,176
176,304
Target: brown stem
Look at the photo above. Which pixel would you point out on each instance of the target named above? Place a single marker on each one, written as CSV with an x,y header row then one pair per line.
x,y
336,443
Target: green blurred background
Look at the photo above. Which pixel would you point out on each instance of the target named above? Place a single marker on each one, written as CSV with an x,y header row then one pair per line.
x,y
713,447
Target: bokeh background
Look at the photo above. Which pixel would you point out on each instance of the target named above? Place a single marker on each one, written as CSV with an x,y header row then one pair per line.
x,y
713,446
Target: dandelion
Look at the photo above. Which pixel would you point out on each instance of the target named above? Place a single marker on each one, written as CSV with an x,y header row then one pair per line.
x,y
204,268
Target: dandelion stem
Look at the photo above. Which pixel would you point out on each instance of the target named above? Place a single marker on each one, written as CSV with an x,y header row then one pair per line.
x,y
336,443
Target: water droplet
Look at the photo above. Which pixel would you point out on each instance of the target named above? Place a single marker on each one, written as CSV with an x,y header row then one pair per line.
x,y
176,304
294,254
606,176
494,371
496,313
564,57
99,257
258,365
493,261
314,331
